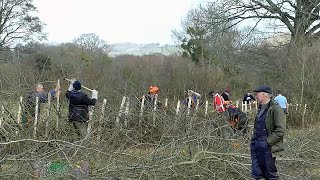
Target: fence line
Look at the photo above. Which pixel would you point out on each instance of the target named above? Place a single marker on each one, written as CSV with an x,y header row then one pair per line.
x,y
124,110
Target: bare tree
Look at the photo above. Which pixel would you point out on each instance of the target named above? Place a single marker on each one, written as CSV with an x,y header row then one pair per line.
x,y
18,22
208,40
92,43
300,17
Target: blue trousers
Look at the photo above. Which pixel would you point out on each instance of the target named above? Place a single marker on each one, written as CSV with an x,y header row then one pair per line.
x,y
263,164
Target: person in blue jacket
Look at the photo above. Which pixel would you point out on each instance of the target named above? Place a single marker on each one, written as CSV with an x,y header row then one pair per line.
x,y
194,98
30,105
282,101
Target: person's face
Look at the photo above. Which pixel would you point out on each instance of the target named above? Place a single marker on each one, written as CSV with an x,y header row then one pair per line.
x,y
39,89
155,93
262,97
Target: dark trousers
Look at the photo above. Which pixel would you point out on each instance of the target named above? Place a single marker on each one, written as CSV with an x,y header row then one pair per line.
x,y
263,164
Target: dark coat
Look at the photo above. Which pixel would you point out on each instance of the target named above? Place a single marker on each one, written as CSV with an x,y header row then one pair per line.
x,y
225,96
248,98
149,101
78,105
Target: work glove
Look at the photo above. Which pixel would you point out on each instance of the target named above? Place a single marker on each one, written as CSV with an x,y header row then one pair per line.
x,y
71,84
73,80
94,94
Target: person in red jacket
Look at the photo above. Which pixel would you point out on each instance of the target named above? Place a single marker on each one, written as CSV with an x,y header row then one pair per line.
x,y
218,102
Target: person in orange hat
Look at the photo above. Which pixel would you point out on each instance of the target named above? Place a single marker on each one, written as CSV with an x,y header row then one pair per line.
x,y
150,97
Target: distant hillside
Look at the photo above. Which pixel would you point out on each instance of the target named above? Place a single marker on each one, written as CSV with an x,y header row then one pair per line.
x,y
141,49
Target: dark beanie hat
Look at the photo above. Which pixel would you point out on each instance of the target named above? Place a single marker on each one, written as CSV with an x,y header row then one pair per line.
x,y
77,85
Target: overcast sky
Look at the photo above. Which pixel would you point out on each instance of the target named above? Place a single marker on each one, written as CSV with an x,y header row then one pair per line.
x,y
138,21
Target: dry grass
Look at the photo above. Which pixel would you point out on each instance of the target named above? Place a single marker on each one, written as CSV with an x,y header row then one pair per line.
x,y
176,148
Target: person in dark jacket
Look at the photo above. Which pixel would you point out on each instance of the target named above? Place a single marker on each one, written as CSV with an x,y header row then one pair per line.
x,y
150,98
238,120
248,97
267,140
226,94
79,104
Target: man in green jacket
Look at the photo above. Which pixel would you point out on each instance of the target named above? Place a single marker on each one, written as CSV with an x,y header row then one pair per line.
x,y
267,139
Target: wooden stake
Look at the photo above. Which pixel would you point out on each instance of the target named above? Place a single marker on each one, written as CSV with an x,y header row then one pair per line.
x,y
47,116
90,122
101,118
19,111
206,110
178,108
127,107
303,115
120,111
2,116
197,105
242,108
126,113
58,105
189,106
166,105
155,109
142,104
36,118
245,106
142,107
256,104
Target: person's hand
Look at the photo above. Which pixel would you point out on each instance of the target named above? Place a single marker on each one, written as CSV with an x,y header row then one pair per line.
x,y
58,87
73,80
94,94
70,88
